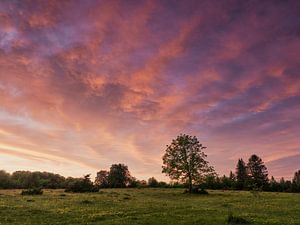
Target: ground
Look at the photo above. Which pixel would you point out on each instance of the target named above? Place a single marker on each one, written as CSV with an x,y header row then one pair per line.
x,y
148,206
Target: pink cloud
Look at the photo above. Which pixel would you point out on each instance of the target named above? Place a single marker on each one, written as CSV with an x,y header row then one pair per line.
x,y
91,84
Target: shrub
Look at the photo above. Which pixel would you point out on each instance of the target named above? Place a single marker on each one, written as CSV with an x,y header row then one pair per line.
x,y
82,185
32,191
162,184
152,182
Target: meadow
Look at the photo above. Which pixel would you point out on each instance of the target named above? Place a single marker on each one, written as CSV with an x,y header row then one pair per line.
x,y
148,206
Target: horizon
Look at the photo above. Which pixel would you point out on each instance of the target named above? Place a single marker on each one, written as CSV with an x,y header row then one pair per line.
x,y
86,84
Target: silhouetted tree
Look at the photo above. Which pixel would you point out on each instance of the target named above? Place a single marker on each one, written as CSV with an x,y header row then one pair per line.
x,y
101,179
142,183
273,185
296,178
257,172
184,160
226,182
210,182
296,182
21,179
119,176
5,180
241,174
81,185
27,179
232,179
231,176
152,182
162,184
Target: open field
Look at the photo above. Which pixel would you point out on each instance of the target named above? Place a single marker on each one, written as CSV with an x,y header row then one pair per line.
x,y
148,206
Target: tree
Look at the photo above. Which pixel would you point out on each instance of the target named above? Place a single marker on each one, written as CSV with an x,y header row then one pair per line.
x,y
152,182
232,179
257,172
5,181
21,179
184,160
101,179
226,182
296,182
119,176
274,185
296,178
241,174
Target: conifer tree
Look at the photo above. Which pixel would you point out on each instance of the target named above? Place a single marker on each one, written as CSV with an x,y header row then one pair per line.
x,y
241,174
257,172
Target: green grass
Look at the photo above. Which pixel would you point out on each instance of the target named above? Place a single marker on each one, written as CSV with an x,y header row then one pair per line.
x,y
148,206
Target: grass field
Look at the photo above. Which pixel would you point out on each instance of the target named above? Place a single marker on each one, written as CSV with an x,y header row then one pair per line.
x,y
148,206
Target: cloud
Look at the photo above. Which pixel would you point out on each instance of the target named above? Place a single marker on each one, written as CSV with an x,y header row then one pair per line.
x,y
95,83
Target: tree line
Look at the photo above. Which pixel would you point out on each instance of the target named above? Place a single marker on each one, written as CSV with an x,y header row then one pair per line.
x,y
252,176
184,162
119,177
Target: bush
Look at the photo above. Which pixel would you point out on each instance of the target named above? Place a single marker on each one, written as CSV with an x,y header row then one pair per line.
x,y
162,184
82,185
32,191
152,182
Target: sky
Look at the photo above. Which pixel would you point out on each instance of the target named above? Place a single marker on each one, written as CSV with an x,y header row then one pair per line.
x,y
85,84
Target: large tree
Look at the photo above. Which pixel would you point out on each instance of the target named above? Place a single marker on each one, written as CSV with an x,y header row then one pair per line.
x,y
241,174
257,172
184,160
119,176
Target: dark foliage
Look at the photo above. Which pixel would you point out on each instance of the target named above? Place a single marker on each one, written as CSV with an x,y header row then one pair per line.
x,y
82,185
101,179
152,182
296,182
257,173
241,175
185,161
119,176
162,184
135,183
27,179
5,181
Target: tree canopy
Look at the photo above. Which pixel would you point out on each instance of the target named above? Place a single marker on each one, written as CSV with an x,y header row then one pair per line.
x,y
241,174
257,172
119,176
184,160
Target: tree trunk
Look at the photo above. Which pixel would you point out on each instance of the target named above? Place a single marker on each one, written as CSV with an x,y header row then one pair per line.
x,y
190,184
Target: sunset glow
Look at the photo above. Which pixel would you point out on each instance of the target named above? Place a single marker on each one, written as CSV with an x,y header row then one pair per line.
x,y
85,84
